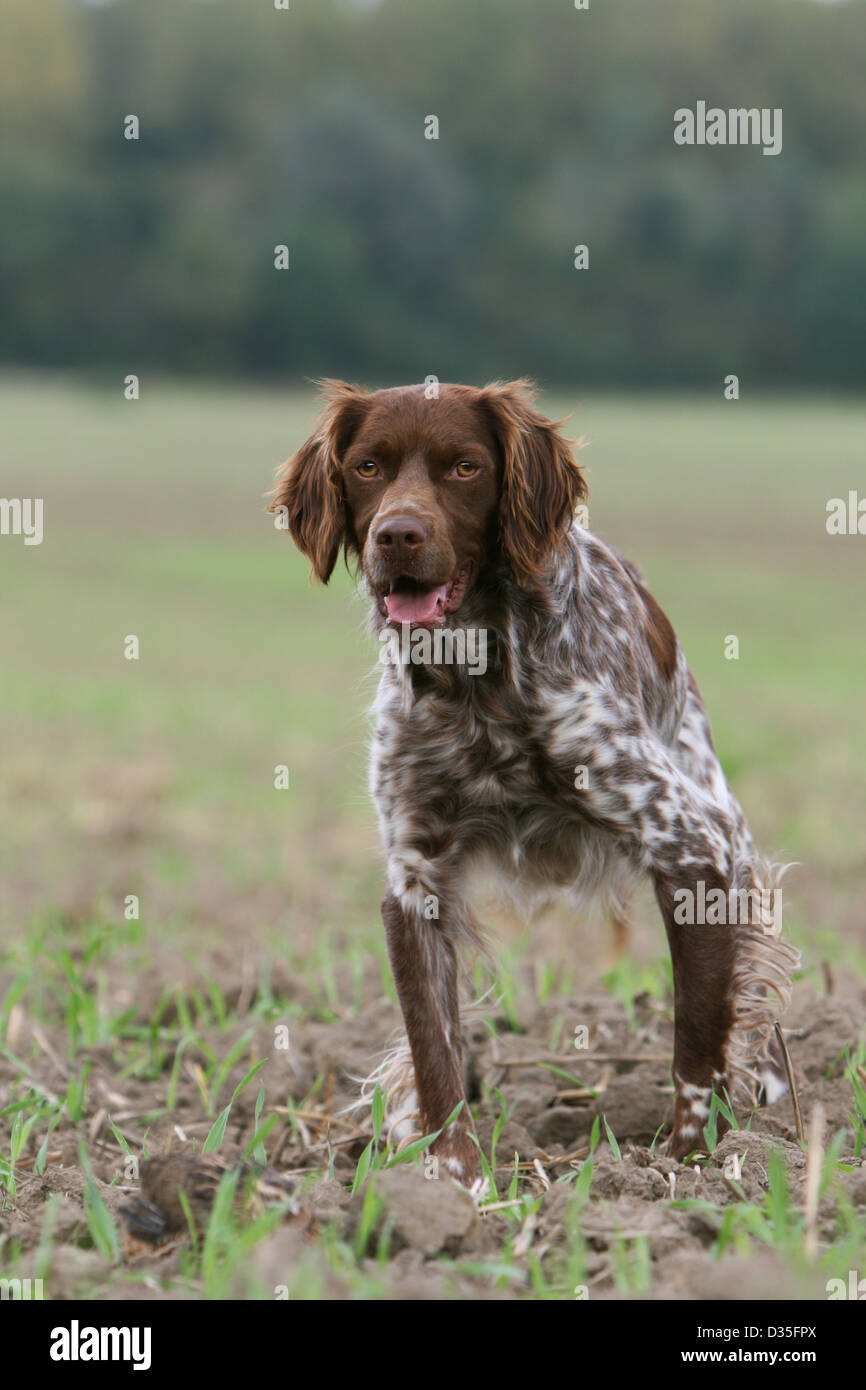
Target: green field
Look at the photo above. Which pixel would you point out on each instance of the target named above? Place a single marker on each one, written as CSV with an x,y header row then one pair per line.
x,y
155,777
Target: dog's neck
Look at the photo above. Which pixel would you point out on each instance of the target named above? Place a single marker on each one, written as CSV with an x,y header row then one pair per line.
x,y
495,626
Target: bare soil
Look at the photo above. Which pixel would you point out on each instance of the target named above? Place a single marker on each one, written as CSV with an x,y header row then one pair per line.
x,y
435,1237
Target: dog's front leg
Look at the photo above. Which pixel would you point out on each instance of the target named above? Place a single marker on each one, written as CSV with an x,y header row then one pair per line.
x,y
686,842
424,965
689,840
704,959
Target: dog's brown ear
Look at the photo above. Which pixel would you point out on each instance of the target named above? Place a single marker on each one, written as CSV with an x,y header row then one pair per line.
x,y
541,484
308,493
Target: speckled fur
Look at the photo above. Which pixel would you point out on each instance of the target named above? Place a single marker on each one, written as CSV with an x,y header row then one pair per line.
x,y
464,769
583,671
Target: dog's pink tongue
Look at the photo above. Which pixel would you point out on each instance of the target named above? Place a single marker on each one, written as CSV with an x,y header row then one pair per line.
x,y
415,606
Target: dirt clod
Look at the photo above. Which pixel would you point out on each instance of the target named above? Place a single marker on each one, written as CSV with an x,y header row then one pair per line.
x,y
425,1215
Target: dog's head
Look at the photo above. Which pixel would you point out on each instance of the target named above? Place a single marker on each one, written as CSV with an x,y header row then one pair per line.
x,y
431,492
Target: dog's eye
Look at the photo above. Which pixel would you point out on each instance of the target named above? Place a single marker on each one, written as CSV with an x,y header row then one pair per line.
x,y
368,469
465,469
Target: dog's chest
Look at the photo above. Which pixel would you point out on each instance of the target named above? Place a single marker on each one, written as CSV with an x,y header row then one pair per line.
x,y
450,778
469,753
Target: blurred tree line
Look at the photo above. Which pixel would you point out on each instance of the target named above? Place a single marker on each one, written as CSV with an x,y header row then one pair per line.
x,y
408,256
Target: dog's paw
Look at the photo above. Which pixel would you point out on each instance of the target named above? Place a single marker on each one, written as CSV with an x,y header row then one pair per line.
x,y
458,1156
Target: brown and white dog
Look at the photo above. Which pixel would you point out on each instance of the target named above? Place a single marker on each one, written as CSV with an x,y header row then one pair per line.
x,y
580,761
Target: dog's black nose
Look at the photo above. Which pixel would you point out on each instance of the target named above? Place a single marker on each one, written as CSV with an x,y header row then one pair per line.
x,y
399,537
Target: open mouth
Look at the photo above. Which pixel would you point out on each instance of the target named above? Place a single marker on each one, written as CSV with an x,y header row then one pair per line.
x,y
407,601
